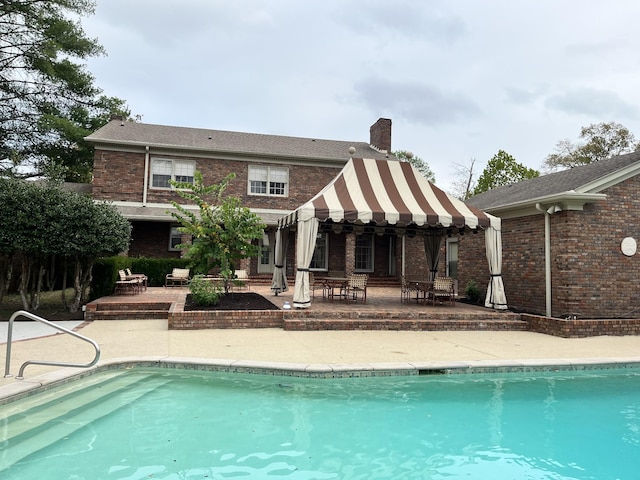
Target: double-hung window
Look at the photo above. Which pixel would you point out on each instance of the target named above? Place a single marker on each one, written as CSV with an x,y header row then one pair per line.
x,y
271,181
364,253
320,258
164,170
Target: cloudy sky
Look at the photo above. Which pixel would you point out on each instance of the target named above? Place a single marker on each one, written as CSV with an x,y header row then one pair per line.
x,y
460,79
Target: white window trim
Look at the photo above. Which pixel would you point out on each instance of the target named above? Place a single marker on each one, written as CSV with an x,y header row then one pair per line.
x,y
267,194
174,162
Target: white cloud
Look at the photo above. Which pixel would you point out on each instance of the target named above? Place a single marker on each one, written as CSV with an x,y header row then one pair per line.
x,y
460,80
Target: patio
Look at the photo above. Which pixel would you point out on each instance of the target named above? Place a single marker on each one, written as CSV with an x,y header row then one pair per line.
x,y
383,310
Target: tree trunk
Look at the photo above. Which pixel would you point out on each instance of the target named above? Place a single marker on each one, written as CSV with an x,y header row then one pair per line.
x,y
6,270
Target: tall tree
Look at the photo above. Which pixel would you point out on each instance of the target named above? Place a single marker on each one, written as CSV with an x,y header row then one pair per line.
x,y
600,141
420,165
502,169
47,99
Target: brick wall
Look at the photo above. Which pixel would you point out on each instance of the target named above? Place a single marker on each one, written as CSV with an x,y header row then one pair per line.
x,y
151,239
120,176
590,275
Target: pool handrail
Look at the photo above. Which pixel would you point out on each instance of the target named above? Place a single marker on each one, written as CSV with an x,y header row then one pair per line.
x,y
22,313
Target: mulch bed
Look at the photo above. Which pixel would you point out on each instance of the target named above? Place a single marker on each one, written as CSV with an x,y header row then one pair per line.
x,y
234,301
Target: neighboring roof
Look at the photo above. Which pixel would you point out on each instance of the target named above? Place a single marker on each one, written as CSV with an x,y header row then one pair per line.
x,y
386,192
578,181
139,135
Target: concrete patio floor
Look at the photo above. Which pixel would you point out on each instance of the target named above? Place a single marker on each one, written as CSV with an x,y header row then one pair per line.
x,y
151,339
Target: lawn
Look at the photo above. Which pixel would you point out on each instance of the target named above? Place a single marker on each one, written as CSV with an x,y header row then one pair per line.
x,y
50,306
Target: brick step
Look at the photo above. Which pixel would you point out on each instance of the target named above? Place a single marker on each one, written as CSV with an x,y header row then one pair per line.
x,y
124,306
372,282
411,324
130,315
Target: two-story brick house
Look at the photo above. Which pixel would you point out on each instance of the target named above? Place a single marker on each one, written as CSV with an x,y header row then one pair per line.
x,y
134,162
569,241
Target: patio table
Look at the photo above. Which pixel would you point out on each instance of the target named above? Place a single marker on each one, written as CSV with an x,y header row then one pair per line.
x,y
423,289
333,283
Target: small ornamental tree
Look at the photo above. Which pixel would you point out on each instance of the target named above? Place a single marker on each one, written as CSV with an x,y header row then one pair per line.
x,y
38,224
223,233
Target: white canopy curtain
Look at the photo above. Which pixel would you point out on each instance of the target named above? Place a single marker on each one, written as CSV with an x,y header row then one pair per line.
x,y
496,298
279,279
432,245
305,245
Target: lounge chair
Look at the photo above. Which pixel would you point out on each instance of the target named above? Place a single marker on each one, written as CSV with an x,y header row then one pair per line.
x,y
178,277
126,285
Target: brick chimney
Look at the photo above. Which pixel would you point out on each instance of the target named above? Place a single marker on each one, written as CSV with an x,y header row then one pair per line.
x,y
380,134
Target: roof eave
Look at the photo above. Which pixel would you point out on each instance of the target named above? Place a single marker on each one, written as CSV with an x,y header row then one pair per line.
x,y
570,200
175,149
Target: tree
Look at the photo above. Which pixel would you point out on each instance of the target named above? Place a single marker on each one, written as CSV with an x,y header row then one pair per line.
x,y
224,231
47,101
465,181
417,162
601,141
38,223
502,169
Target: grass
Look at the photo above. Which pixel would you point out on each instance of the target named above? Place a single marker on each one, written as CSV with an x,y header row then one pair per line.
x,y
50,306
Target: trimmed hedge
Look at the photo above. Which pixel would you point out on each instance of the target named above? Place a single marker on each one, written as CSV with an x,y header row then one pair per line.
x,y
105,271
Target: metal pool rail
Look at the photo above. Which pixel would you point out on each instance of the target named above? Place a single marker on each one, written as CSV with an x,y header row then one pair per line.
x,y
22,313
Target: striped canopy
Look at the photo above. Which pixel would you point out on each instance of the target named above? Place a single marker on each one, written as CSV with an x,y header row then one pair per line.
x,y
387,192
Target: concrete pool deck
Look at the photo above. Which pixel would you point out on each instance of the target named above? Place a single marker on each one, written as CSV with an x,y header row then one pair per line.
x,y
140,340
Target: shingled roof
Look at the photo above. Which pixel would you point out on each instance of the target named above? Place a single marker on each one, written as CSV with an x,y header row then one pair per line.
x,y
210,141
585,179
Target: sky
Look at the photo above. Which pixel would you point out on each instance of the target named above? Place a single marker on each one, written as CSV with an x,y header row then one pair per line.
x,y
460,79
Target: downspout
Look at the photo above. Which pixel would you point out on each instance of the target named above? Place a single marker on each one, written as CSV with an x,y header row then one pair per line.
x,y
146,176
547,257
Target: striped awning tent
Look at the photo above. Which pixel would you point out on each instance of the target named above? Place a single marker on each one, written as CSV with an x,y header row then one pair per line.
x,y
387,192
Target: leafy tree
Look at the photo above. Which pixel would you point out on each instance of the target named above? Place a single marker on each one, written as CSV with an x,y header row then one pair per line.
x,y
502,169
38,223
417,162
47,99
224,231
600,141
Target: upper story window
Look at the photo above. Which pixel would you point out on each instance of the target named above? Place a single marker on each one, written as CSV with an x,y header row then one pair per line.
x,y
273,181
163,170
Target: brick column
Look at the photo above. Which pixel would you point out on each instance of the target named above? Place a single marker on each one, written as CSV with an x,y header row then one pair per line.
x,y
185,240
350,253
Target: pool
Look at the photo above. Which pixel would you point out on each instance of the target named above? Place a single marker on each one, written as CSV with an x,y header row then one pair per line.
x,y
159,423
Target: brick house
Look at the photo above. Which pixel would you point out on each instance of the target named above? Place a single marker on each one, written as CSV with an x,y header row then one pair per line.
x,y
569,241
133,163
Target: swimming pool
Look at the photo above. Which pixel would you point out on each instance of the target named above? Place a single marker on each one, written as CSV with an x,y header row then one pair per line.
x,y
176,424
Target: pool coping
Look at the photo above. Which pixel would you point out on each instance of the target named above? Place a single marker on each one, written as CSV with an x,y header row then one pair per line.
x,y
24,388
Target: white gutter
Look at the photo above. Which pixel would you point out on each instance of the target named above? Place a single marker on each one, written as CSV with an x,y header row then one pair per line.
x,y
547,251
146,176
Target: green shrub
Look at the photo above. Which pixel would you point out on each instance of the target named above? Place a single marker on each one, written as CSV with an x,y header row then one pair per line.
x,y
472,291
205,292
105,271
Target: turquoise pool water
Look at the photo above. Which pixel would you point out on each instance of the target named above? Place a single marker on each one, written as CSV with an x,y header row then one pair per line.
x,y
176,424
